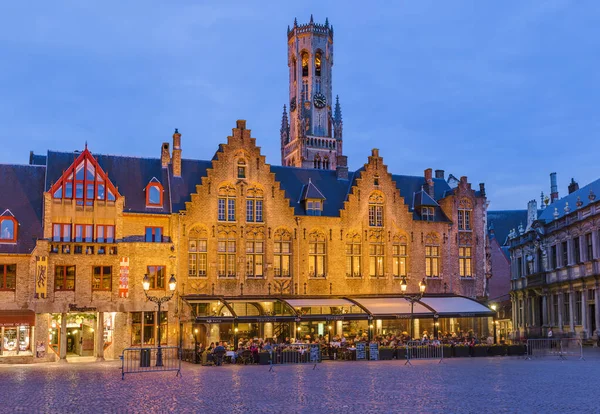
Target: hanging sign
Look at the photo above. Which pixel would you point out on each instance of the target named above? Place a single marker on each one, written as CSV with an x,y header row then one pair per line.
x,y
41,276
124,278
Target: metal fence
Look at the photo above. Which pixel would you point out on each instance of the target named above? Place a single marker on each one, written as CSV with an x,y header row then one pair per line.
x,y
560,348
136,360
420,350
296,354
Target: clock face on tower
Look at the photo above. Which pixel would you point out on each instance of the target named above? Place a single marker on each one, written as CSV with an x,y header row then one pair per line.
x,y
319,100
293,104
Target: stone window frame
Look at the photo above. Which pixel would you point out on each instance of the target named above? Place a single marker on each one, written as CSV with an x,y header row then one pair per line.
x,y
226,203
353,256
376,207
465,215
62,271
281,237
153,272
432,256
198,236
317,254
399,256
4,270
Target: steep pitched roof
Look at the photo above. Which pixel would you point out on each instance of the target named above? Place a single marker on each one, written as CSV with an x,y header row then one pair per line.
x,y
504,221
183,187
22,192
311,191
129,174
422,198
583,193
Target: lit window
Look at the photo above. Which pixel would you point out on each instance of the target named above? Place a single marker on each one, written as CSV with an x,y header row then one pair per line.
x,y
226,256
318,64
464,261
399,253
144,328
156,274
376,209
432,255
153,235
353,256
376,260
316,255
304,64
254,205
8,276
282,254
102,278
241,168
64,278
255,258
197,251
464,214
8,229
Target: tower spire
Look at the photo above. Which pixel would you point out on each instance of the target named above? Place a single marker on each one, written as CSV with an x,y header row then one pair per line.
x,y
285,128
337,114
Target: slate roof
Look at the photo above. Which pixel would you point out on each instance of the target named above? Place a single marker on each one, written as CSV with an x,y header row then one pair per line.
x,y
504,221
422,198
22,190
547,214
132,174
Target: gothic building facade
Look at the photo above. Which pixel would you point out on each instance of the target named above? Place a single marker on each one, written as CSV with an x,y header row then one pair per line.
x,y
555,264
79,231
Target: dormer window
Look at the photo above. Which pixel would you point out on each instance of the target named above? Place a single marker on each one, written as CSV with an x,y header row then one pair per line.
x,y
8,229
314,207
241,168
154,194
427,213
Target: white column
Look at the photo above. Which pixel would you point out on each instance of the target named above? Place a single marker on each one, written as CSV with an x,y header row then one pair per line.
x,y
378,326
63,338
268,330
561,307
339,327
100,337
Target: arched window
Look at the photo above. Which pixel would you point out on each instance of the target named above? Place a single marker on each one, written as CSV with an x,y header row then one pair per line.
x,y
226,203
8,229
241,168
254,205
197,251
318,86
294,69
399,256
304,64
376,209
318,64
154,194
282,253
317,255
255,255
432,255
353,255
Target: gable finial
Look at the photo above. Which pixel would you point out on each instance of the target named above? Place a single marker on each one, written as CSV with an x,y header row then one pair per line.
x,y
177,130
86,145
309,181
311,18
326,22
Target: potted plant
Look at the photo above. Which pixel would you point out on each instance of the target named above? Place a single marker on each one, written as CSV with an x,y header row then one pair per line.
x,y
263,358
447,350
386,353
480,350
401,353
497,350
516,349
461,351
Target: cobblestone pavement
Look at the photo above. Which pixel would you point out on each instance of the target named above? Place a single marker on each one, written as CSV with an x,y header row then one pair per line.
x,y
466,385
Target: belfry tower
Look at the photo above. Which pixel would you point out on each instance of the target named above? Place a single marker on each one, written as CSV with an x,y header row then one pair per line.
x,y
312,138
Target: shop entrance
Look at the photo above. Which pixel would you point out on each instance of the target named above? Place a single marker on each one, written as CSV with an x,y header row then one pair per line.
x,y
80,333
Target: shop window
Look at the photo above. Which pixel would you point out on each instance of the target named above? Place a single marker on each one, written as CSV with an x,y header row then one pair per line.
x,y
102,278
156,274
317,255
8,276
153,235
61,232
105,233
144,328
8,229
353,255
64,277
282,254
154,194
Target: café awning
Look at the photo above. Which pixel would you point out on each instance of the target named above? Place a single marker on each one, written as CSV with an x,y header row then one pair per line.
x,y
456,306
13,318
393,307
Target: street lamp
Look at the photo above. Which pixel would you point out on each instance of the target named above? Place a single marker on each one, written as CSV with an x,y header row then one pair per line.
x,y
494,307
159,302
412,298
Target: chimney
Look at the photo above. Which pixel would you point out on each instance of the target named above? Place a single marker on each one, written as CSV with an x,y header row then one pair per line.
x,y
429,182
482,189
165,157
341,171
553,188
573,186
531,214
439,174
176,154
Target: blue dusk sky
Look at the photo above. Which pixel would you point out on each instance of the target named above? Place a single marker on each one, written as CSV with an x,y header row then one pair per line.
x,y
504,92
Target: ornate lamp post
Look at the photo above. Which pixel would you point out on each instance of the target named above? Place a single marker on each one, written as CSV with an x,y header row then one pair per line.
x,y
159,302
412,298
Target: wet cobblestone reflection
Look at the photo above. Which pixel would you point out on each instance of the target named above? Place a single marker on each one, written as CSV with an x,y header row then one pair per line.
x,y
467,385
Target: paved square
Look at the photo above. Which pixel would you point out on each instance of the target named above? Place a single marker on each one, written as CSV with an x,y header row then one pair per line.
x,y
466,385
